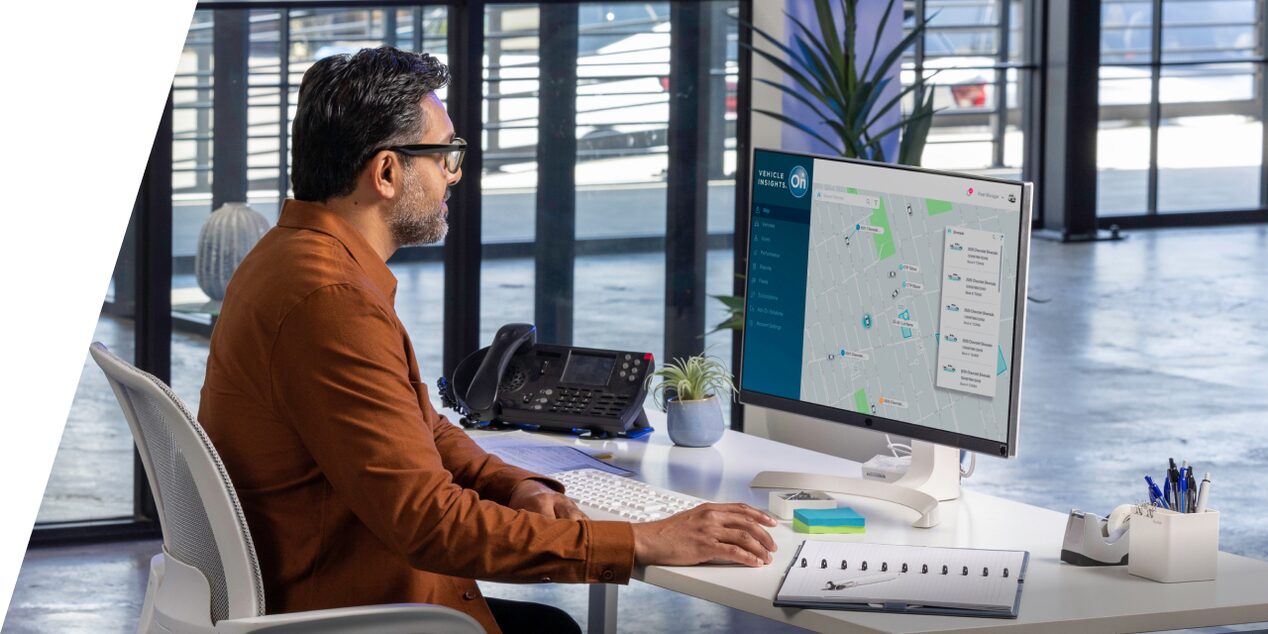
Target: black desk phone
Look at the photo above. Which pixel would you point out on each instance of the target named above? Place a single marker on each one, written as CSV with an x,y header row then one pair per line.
x,y
519,381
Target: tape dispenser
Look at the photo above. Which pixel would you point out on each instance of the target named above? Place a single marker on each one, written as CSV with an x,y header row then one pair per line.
x,y
1091,540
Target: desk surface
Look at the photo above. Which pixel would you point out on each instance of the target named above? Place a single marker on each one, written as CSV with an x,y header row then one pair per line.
x,y
1056,597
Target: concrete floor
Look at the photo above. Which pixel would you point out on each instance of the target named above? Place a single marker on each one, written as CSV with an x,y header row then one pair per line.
x,y
1135,352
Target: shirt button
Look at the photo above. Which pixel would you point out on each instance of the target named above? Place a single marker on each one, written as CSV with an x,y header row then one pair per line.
x,y
469,595
607,574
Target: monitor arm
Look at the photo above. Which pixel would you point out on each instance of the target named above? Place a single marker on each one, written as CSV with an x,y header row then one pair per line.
x,y
934,475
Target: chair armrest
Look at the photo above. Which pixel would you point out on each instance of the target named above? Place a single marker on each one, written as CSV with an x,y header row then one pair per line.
x,y
400,618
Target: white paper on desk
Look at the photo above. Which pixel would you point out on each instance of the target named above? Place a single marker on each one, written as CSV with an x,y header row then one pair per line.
x,y
545,457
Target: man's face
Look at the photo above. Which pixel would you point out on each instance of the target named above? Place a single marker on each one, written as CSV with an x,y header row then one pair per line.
x,y
418,217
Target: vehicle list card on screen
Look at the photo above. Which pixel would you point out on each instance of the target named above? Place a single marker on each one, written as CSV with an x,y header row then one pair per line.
x,y
971,267
775,307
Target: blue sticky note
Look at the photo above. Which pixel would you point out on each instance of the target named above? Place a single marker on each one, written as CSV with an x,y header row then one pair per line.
x,y
828,517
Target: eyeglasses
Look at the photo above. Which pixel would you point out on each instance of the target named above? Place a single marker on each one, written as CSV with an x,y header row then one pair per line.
x,y
453,151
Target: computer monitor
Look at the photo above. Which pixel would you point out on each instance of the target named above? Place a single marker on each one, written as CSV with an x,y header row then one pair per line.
x,y
890,298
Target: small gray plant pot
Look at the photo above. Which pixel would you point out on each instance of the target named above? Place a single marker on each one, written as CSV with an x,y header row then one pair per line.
x,y
695,423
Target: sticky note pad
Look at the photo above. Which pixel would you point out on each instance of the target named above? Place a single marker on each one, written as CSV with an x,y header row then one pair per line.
x,y
800,527
821,521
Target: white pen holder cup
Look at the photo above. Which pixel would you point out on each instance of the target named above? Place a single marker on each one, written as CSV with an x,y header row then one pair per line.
x,y
1167,546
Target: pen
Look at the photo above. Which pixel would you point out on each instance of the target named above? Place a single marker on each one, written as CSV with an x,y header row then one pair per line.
x,y
1181,505
861,581
1155,494
1173,487
1204,493
1192,486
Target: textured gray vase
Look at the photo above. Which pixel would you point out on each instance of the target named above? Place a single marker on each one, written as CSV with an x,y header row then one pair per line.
x,y
695,423
224,240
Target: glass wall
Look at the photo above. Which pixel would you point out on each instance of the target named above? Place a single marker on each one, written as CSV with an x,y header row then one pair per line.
x,y
1181,106
974,57
622,107
509,178
282,44
234,98
623,94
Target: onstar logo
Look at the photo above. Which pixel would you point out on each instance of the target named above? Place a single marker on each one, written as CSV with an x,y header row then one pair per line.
x,y
798,181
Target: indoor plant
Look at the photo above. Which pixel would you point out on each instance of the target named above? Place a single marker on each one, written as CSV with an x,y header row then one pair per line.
x,y
688,392
845,93
846,96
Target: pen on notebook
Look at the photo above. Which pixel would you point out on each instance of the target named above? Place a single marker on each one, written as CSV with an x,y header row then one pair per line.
x,y
861,581
1204,494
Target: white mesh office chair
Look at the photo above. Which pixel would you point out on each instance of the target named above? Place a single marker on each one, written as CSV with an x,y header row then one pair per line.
x,y
207,579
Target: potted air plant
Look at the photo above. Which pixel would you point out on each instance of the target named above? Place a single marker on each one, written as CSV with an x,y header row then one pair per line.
x,y
688,392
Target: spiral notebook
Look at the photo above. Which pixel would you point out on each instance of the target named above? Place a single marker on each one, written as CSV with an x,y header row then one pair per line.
x,y
907,579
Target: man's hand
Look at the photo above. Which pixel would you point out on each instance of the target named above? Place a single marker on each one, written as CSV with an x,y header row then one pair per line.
x,y
531,495
730,532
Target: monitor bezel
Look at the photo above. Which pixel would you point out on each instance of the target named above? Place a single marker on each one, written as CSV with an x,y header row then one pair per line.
x,y
1005,449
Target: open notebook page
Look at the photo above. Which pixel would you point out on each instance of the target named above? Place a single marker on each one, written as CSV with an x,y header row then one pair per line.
x,y
975,590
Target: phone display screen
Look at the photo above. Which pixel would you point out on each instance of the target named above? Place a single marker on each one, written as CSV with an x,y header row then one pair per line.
x,y
588,369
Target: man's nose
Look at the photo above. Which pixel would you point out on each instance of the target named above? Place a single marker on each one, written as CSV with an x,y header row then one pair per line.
x,y
454,177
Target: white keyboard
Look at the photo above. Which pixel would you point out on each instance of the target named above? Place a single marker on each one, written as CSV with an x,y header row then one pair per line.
x,y
607,496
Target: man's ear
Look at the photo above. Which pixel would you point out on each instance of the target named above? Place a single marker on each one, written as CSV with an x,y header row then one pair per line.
x,y
385,174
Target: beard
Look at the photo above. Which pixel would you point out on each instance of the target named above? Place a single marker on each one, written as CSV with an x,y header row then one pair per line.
x,y
415,219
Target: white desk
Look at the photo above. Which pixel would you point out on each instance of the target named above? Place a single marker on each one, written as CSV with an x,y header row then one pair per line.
x,y
1058,597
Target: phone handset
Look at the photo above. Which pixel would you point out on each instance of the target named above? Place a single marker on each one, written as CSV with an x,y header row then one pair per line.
x,y
483,393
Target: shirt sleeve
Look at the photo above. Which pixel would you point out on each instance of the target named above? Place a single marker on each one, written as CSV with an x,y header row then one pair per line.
x,y
339,374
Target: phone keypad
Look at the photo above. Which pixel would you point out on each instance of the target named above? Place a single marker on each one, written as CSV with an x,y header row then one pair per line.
x,y
593,402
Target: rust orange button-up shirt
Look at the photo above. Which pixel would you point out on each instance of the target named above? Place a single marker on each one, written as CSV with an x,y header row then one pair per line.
x,y
356,491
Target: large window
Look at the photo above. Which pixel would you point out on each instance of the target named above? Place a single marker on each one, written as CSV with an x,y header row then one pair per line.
x,y
574,225
267,52
1181,107
586,261
976,58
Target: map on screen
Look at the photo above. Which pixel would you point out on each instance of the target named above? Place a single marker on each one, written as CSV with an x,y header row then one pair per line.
x,y
896,287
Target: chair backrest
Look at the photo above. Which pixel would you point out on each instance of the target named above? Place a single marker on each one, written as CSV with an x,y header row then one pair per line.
x,y
202,521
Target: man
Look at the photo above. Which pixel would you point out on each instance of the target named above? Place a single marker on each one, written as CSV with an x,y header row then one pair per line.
x,y
355,490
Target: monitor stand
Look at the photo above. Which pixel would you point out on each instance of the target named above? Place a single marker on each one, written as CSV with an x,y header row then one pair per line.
x,y
934,475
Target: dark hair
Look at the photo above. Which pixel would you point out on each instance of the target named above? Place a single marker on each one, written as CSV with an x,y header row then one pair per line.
x,y
352,105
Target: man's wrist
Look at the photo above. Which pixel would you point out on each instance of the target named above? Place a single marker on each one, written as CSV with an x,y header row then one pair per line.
x,y
547,483
531,485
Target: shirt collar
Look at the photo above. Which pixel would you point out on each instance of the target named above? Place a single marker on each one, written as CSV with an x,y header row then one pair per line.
x,y
298,214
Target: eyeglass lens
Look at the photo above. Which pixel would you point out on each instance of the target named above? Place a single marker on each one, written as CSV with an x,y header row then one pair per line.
x,y
453,158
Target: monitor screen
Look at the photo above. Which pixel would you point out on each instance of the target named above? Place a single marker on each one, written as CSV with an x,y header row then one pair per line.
x,y
887,297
